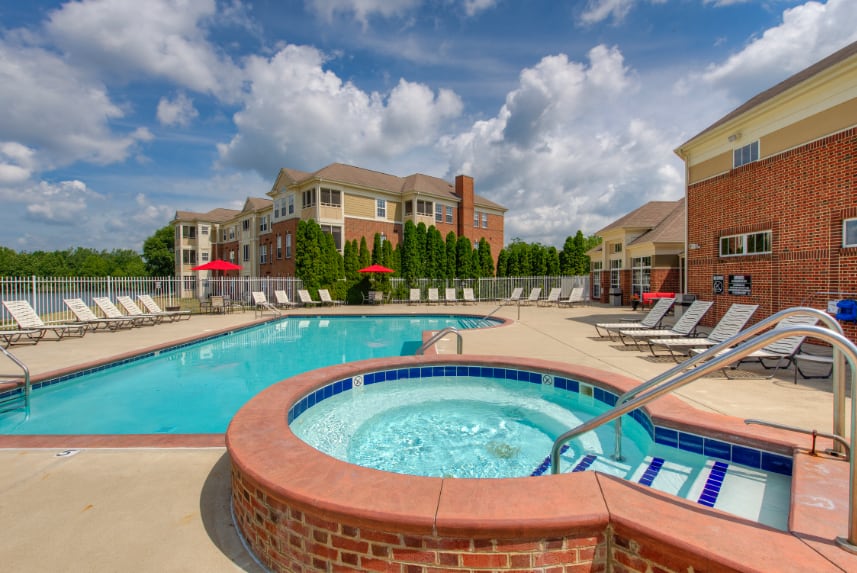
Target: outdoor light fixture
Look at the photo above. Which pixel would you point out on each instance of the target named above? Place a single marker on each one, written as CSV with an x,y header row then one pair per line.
x,y
734,137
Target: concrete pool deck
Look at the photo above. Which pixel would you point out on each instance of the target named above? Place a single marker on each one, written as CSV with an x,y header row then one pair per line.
x,y
93,510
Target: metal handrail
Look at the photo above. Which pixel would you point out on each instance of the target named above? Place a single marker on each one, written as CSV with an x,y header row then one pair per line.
x,y
437,336
847,349
749,332
813,433
26,377
487,316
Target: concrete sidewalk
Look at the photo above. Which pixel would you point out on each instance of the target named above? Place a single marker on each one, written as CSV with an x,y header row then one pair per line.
x,y
167,509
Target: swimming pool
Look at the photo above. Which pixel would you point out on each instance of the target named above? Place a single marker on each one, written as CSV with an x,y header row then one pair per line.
x,y
196,388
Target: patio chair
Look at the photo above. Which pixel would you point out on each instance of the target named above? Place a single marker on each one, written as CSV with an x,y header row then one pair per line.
x,y
553,297
822,359
728,326
131,309
373,297
110,310
84,315
467,296
652,319
449,296
326,299
282,299
782,351
27,319
10,337
576,296
261,304
414,296
535,295
152,308
306,299
433,296
683,327
515,297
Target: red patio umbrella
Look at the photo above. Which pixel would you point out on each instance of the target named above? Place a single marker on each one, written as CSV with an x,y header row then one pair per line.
x,y
376,268
217,265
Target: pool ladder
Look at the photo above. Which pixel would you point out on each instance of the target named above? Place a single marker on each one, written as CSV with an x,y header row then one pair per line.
x,y
438,336
709,361
15,382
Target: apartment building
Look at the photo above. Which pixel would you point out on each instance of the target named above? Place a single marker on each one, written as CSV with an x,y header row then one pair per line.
x,y
348,202
771,204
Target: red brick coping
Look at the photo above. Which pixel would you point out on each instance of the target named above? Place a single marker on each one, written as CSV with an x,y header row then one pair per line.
x,y
301,510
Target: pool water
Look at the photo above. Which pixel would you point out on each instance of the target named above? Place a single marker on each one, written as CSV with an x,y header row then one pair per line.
x,y
476,427
197,389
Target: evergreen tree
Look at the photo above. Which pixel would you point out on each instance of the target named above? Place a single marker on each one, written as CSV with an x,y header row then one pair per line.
x,y
422,240
308,253
450,255
410,254
364,255
503,263
351,261
464,258
435,254
486,261
376,250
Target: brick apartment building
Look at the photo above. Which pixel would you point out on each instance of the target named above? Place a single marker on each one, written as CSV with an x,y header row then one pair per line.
x,y
348,202
771,204
640,252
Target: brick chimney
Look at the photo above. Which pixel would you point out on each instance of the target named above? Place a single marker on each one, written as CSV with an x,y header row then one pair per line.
x,y
464,190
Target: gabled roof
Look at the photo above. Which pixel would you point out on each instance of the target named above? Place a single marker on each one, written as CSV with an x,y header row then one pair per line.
x,y
214,216
670,230
782,87
256,204
647,216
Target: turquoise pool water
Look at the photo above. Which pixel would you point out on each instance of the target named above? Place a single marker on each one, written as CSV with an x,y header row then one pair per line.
x,y
197,389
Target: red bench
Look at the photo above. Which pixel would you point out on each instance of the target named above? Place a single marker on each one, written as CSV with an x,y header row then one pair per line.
x,y
650,298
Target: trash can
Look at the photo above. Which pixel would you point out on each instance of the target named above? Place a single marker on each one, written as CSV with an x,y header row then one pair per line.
x,y
615,297
682,301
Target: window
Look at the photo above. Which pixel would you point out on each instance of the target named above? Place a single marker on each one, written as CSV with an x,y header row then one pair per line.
x,y
189,256
263,224
336,232
381,208
596,279
747,154
203,230
223,235
245,224
438,213
449,214
617,247
849,233
424,208
288,245
291,202
246,253
279,246
276,208
309,198
188,232
263,254
475,218
484,220
232,255
746,244
409,208
383,238
641,275
331,197
615,274
232,233
204,256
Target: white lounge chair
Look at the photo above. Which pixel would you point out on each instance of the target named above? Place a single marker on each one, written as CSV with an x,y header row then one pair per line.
x,y
535,295
576,296
306,299
84,315
449,296
515,297
433,296
131,309
652,319
261,304
414,296
110,310
26,318
683,327
9,337
152,308
467,296
553,297
282,299
728,326
326,299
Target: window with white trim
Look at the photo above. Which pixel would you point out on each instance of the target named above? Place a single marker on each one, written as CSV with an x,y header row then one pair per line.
x,y
204,256
615,273
849,233
309,198
263,254
596,279
745,244
475,218
409,208
438,213
189,256
279,246
188,232
381,208
336,232
744,155
245,224
484,220
203,230
424,208
288,245
263,223
331,197
641,275
449,214
246,253
291,203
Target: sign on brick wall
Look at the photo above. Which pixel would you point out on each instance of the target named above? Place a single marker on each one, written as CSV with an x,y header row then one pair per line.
x,y
739,285
718,284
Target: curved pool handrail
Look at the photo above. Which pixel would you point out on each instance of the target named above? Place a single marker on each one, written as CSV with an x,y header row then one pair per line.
x,y
25,375
846,348
436,338
747,333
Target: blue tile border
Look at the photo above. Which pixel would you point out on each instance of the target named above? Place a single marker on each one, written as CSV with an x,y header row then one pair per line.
x,y
676,439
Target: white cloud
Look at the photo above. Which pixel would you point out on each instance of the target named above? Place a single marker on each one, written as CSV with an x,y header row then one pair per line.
x,y
362,9
600,10
473,7
316,118
63,203
179,111
157,38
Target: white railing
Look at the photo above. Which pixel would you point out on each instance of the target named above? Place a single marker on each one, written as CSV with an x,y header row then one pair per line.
x,y
499,288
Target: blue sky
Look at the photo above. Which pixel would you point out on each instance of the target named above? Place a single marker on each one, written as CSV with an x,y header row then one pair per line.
x,y
117,113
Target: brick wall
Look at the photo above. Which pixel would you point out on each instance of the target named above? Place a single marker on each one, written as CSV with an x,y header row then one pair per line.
x,y
357,228
802,196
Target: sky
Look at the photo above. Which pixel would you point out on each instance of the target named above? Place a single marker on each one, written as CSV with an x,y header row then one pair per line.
x,y
118,113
